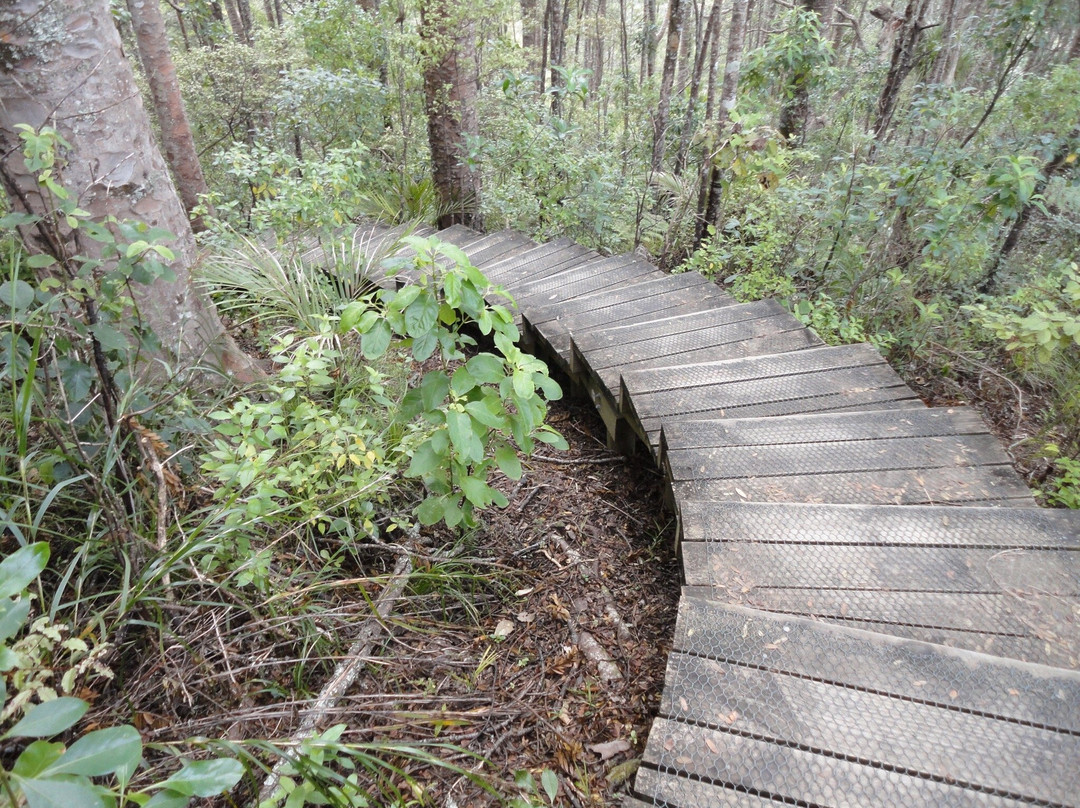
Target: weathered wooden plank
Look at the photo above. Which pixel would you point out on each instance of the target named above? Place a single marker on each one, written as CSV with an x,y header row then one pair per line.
x,y
730,341
694,433
673,791
459,235
885,454
596,274
1028,626
873,729
656,285
929,526
800,776
955,484
558,334
666,326
650,382
948,678
542,261
737,566
503,245
811,392
764,340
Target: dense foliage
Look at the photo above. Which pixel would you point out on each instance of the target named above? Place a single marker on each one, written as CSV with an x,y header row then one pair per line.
x,y
933,211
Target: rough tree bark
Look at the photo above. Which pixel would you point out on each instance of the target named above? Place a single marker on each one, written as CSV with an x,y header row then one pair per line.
x,y
450,100
667,80
705,48
61,65
943,70
903,60
712,187
176,135
530,34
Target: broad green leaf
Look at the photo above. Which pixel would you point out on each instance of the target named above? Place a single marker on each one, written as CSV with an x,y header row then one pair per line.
x,y
40,261
508,461
36,758
405,296
523,384
551,388
425,460
424,346
350,316
100,752
463,436
433,389
489,412
13,614
478,492
59,793
109,337
17,294
206,778
430,510
550,782
552,438
421,315
167,799
49,718
374,343
487,368
19,569
462,381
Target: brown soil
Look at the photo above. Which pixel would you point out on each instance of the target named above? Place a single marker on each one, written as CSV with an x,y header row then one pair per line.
x,y
537,642
585,562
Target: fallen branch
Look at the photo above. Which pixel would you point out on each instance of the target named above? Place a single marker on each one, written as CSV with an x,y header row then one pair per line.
x,y
560,461
347,670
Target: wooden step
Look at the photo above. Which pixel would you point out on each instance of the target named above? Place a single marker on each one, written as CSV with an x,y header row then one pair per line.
x,y
730,332
996,580
816,714
542,261
582,279
639,302
459,235
910,456
497,247
815,380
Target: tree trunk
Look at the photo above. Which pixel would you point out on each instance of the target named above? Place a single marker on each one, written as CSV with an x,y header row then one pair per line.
x,y
943,71
450,100
235,23
114,167
560,20
903,60
176,135
796,108
712,187
244,9
648,41
530,35
594,48
706,49
663,106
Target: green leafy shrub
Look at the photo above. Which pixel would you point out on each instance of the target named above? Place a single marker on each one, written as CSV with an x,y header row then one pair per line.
x,y
1036,322
48,774
477,412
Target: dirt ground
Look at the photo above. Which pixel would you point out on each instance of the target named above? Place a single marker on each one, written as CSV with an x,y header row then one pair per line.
x,y
561,664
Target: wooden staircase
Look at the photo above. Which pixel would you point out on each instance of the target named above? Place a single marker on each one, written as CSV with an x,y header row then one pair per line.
x,y
832,649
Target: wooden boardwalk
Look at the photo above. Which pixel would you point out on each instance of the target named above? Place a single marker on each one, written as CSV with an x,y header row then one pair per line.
x,y
832,648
